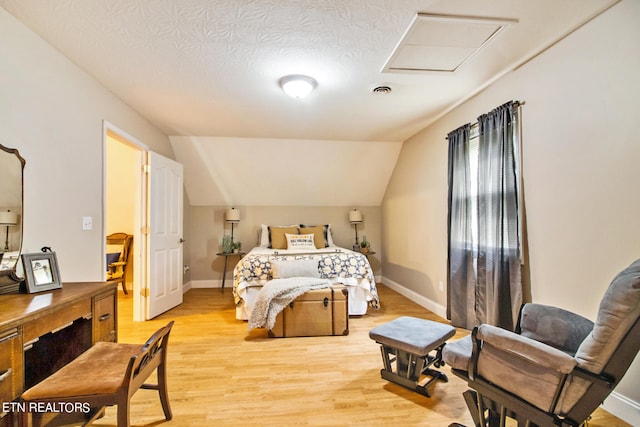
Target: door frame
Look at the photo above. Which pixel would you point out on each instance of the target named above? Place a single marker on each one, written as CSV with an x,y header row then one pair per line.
x,y
140,218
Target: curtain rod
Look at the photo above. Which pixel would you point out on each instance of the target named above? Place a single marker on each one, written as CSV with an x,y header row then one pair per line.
x,y
516,104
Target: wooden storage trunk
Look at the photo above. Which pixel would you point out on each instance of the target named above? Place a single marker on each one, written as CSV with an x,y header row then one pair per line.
x,y
315,313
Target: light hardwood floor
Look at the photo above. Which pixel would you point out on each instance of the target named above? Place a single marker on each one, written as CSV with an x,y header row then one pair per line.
x,y
221,374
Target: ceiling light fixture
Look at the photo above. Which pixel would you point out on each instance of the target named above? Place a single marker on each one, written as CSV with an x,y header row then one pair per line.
x,y
297,85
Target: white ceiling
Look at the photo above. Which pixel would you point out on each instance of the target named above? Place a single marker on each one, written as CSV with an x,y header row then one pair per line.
x,y
210,68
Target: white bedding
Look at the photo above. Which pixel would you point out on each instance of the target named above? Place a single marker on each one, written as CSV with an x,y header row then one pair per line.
x,y
336,264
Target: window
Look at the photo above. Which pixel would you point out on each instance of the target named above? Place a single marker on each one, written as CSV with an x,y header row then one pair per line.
x,y
474,192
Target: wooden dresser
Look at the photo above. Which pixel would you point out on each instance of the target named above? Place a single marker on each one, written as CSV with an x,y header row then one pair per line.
x,y
40,333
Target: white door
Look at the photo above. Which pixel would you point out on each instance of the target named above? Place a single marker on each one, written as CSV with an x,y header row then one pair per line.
x,y
164,260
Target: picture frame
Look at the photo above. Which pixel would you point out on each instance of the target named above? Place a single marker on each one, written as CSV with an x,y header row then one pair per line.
x,y
41,272
9,260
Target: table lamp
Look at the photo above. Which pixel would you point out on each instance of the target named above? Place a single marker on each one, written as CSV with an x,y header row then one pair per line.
x,y
8,219
355,218
233,216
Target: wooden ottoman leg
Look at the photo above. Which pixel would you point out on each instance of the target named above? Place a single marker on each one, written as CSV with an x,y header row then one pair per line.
x,y
417,345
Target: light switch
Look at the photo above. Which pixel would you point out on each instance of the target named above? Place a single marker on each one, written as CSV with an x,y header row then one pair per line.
x,y
87,223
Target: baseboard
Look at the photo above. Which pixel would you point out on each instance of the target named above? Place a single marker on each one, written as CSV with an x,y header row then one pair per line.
x,y
186,287
415,297
623,408
205,284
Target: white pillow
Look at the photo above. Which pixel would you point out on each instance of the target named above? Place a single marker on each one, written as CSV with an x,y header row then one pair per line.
x,y
300,241
329,236
264,236
282,269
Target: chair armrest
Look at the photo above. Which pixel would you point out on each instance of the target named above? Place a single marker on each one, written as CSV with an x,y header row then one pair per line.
x,y
113,267
527,349
526,368
554,326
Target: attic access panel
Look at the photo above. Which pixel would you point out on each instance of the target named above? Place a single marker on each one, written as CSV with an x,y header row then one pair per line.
x,y
442,42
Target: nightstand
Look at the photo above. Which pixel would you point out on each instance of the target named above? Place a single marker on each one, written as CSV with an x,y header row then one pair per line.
x,y
226,256
367,253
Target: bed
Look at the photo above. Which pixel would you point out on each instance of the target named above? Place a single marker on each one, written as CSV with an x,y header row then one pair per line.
x,y
275,258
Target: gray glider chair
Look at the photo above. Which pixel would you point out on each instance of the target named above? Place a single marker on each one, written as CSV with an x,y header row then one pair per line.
x,y
558,367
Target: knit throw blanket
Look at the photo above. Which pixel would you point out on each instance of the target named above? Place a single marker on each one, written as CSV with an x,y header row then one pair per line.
x,y
276,294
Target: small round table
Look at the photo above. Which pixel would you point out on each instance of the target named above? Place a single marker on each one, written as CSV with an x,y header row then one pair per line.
x,y
226,256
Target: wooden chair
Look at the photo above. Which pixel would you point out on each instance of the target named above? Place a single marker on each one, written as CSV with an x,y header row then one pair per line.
x,y
106,374
118,270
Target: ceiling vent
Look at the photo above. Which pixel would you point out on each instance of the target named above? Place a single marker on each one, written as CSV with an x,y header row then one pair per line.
x,y
442,43
381,90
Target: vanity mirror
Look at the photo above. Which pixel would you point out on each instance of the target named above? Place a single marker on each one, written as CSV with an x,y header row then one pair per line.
x,y
11,201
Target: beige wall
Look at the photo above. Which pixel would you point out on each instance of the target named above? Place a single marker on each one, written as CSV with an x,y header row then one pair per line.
x,y
53,112
581,156
121,173
208,228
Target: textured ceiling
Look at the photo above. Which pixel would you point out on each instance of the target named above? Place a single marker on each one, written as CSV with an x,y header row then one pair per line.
x,y
206,73
211,67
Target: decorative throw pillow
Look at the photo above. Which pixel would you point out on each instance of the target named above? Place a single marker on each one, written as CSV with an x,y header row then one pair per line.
x,y
112,257
282,269
325,231
319,236
277,238
300,242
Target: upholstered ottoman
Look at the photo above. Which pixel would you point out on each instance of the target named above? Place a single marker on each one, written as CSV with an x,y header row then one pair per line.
x,y
413,345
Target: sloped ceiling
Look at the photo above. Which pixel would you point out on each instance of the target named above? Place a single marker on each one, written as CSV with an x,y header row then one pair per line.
x,y
277,172
207,71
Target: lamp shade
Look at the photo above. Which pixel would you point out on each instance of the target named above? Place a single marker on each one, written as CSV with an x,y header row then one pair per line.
x,y
8,218
355,216
232,215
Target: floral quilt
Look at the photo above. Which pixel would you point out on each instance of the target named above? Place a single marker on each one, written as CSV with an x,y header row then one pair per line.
x,y
337,264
